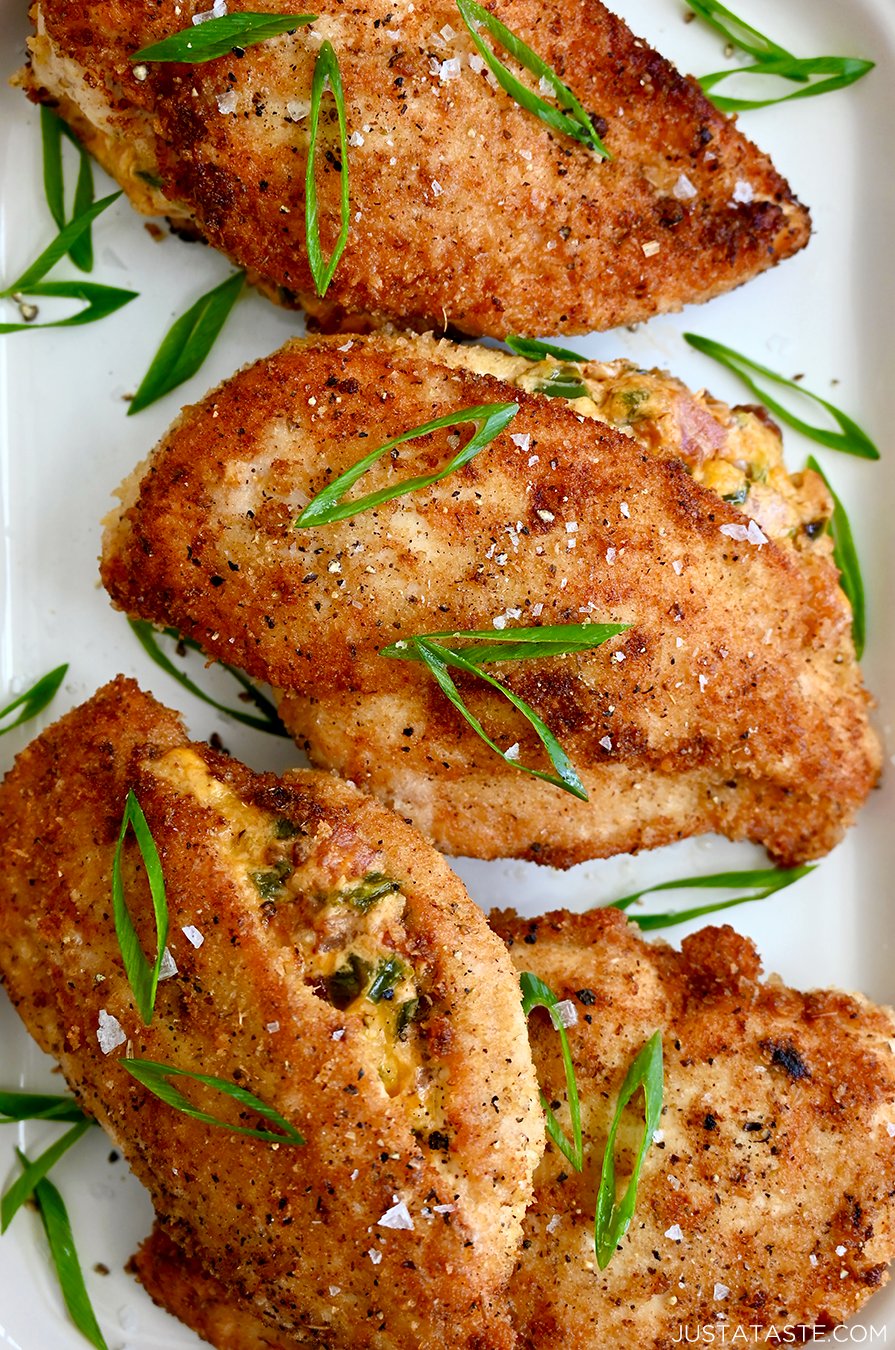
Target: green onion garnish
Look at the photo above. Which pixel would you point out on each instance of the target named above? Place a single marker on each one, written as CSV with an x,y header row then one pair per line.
x,y
65,1258
851,440
218,37
16,1194
569,118
537,994
52,130
536,351
845,556
613,1217
768,880
187,343
738,32
59,247
514,644
437,658
326,68
16,1106
35,699
773,60
842,70
268,721
489,419
101,300
143,978
563,383
154,1077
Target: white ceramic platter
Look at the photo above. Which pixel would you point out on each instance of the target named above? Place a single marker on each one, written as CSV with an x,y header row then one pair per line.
x,y
65,443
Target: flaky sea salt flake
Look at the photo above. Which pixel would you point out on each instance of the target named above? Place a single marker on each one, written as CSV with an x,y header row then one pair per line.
x,y
109,1033
396,1217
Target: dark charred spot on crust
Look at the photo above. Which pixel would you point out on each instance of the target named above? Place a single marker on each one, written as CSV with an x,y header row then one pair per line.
x,y
751,229
785,1056
439,1142
215,193
669,212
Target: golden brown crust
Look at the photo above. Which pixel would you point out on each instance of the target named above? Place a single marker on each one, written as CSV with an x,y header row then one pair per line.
x,y
182,1286
733,703
466,210
776,1163
386,1116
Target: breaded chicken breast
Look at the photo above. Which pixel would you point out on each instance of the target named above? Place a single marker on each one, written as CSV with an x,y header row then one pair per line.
x,y
327,961
465,209
733,703
768,1196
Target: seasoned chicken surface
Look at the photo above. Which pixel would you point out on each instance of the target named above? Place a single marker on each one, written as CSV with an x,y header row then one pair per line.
x,y
465,209
327,961
768,1198
733,703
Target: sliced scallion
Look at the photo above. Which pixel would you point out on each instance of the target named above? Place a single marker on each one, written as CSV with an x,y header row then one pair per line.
x,y
187,343
16,1194
219,36
53,129
147,636
16,1106
613,1217
438,651
569,118
154,1077
100,301
60,1238
513,644
365,894
326,69
850,439
389,972
841,71
536,351
438,658
768,880
489,420
59,247
845,555
143,978
537,994
737,31
35,699
772,60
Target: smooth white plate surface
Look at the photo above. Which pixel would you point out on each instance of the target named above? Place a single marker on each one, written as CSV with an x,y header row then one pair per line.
x,y
65,443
